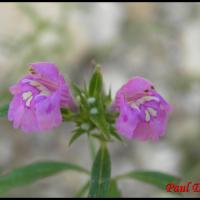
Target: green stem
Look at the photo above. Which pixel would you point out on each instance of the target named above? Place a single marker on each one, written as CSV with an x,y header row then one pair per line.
x,y
92,148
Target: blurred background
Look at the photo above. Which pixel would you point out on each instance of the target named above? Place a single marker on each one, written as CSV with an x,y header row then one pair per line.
x,y
158,41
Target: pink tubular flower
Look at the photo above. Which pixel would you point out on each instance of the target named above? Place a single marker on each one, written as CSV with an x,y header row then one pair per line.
x,y
38,98
143,113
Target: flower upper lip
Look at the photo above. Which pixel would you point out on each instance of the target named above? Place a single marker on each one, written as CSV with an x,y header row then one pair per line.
x,y
139,96
49,84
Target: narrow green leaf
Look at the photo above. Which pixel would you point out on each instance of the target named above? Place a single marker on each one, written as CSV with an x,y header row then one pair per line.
x,y
4,110
96,83
68,115
83,190
157,179
115,134
99,137
101,123
83,97
108,97
34,172
100,175
76,135
114,190
77,91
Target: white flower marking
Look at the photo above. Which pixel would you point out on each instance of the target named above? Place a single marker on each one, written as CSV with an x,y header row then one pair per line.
x,y
147,116
152,112
27,97
146,98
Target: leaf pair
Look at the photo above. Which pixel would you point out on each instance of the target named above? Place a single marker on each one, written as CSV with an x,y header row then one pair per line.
x,y
101,184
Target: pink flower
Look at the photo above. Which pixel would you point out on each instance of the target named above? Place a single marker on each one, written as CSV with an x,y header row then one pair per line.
x,y
143,113
38,98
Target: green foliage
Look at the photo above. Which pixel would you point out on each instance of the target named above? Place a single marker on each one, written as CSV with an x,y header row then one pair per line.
x,y
96,83
4,110
34,172
154,178
114,190
100,175
96,91
93,109
76,135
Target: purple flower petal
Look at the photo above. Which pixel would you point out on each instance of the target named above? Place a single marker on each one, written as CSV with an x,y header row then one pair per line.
x,y
38,98
45,70
146,110
48,112
127,121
